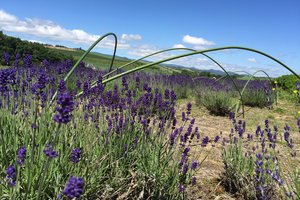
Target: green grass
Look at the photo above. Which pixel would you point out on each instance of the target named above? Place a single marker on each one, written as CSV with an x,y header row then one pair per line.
x,y
102,61
3,67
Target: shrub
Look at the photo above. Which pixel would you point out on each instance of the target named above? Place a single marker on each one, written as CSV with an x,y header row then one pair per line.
x,y
218,103
252,165
238,171
287,82
257,98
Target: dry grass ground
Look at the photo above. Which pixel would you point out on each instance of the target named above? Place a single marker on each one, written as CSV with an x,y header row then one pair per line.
x,y
209,174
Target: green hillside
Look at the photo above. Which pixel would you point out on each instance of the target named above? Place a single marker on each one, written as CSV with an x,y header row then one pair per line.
x,y
102,61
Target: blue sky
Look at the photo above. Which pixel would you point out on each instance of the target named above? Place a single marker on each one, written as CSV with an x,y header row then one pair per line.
x,y
147,26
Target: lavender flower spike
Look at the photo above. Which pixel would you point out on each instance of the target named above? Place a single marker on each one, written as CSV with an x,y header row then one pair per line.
x,y
75,155
21,155
11,175
74,187
50,152
65,106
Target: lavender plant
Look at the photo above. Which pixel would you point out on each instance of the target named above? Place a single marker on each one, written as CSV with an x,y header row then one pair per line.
x,y
252,165
216,102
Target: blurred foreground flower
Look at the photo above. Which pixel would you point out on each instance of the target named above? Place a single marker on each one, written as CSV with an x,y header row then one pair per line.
x,y
74,187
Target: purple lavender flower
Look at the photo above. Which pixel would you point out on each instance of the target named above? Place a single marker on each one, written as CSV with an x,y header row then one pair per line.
x,y
27,61
188,108
258,131
277,178
167,94
64,108
5,57
205,141
50,152
74,187
194,180
124,84
11,175
62,86
174,122
186,150
197,133
17,60
42,80
137,82
78,84
146,88
217,138
235,139
192,121
86,88
287,138
21,155
173,137
173,96
183,116
75,155
185,168
231,116
181,188
194,165
33,126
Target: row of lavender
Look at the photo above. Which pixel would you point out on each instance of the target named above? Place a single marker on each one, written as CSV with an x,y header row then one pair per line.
x,y
170,81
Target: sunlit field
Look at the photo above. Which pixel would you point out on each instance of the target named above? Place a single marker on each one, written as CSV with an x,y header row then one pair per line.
x,y
74,130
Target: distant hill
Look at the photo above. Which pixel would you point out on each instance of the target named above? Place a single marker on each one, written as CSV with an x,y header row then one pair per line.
x,y
103,61
211,71
219,72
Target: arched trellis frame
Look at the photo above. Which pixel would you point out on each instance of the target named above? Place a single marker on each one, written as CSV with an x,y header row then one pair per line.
x,y
193,52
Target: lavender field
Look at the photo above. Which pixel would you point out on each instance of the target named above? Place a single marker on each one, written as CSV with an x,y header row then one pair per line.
x,y
142,136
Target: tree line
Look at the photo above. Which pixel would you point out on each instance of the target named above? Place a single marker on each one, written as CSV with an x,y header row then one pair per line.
x,y
11,46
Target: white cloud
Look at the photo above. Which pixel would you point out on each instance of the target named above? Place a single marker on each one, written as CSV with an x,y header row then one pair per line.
x,y
198,47
252,60
7,18
131,37
178,46
144,50
50,30
198,41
